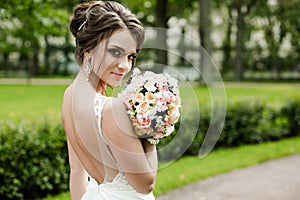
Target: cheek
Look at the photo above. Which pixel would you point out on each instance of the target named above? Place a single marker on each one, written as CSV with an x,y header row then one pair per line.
x,y
103,69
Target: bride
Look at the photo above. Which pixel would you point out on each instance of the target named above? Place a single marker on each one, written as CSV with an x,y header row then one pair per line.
x,y
107,159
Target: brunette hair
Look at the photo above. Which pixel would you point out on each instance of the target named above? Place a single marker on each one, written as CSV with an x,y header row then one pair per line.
x,y
92,22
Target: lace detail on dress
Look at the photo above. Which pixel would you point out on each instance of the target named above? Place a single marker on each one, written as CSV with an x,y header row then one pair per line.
x,y
120,179
99,102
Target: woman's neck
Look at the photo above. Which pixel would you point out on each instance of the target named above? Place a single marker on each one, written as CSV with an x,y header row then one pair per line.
x,y
101,87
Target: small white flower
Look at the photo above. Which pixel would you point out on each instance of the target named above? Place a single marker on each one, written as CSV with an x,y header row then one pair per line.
x,y
150,86
136,71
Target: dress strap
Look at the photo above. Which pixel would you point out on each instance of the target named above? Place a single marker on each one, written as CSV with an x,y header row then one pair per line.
x,y
100,101
99,104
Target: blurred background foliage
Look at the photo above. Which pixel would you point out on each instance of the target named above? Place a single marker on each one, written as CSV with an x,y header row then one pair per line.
x,y
248,39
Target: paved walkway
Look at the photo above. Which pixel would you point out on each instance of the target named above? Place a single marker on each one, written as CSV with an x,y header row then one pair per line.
x,y
36,81
276,179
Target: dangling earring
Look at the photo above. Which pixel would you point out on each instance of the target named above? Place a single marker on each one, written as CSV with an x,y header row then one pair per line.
x,y
88,69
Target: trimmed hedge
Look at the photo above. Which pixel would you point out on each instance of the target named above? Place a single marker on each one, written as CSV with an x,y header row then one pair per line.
x,y
34,159
246,122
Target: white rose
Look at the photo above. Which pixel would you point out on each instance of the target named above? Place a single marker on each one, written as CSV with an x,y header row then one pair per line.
x,y
174,116
150,86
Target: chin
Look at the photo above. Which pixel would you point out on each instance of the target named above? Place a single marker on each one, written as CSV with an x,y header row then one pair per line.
x,y
116,84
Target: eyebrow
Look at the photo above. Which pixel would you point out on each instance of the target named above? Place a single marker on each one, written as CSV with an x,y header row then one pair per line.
x,y
120,48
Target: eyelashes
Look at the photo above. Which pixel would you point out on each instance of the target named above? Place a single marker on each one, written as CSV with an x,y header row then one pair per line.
x,y
132,57
117,53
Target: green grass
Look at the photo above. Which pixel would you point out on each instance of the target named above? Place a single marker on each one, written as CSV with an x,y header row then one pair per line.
x,y
190,169
32,102
275,93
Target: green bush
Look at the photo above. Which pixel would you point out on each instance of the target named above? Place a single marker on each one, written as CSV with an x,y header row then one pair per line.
x,y
33,159
246,122
291,111
250,122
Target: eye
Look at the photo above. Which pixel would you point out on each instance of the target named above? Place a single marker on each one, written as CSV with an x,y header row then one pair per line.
x,y
115,52
132,57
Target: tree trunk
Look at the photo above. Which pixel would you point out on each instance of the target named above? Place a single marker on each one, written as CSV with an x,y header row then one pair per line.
x,y
204,33
66,50
161,23
5,63
239,71
34,68
227,46
47,55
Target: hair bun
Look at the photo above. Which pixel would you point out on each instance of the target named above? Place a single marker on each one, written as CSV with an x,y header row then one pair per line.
x,y
78,18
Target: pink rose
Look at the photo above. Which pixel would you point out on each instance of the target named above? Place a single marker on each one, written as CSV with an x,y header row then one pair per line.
x,y
143,120
143,107
161,105
169,96
158,135
139,97
150,98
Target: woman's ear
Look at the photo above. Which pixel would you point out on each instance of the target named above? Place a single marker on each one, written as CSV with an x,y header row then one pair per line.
x,y
87,55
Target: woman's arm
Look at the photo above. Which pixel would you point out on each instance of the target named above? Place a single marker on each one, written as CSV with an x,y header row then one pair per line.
x,y
137,161
78,176
150,153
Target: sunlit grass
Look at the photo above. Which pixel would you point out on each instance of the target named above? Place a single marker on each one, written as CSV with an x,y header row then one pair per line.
x,y
32,102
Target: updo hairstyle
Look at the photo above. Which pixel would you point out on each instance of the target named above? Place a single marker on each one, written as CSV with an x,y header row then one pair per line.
x,y
96,21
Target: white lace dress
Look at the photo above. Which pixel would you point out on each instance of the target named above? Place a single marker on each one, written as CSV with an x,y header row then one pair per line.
x,y
118,188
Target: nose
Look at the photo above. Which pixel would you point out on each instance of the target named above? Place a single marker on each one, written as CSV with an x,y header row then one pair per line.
x,y
124,63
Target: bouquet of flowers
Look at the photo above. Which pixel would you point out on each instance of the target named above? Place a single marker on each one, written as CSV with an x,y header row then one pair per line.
x,y
152,102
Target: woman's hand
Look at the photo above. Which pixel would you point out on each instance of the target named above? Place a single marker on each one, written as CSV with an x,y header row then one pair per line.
x,y
148,148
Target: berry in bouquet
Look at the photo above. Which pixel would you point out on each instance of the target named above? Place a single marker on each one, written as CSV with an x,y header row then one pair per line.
x,y
153,104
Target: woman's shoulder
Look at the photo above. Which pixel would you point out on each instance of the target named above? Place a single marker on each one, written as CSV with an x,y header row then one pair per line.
x,y
68,92
66,102
115,115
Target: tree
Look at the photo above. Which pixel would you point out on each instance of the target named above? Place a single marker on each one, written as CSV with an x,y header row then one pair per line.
x,y
243,8
161,19
204,33
28,26
156,13
284,14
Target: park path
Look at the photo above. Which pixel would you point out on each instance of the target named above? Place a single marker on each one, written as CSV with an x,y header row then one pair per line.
x,y
36,81
276,179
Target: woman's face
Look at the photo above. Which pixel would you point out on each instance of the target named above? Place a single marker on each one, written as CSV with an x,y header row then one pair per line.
x,y
113,58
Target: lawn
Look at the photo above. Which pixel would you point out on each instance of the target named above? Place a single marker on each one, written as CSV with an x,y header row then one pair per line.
x,y
30,102
33,102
